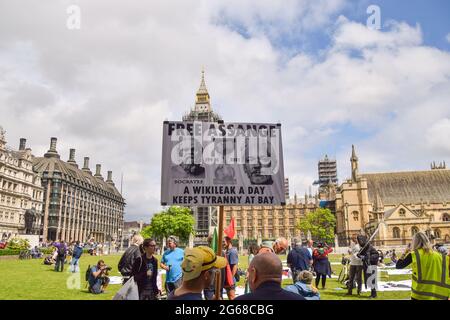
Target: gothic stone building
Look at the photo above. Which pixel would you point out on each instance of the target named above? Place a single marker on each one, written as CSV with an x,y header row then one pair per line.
x,y
407,202
78,204
270,222
20,189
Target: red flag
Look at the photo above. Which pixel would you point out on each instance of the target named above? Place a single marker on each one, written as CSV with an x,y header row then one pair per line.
x,y
231,230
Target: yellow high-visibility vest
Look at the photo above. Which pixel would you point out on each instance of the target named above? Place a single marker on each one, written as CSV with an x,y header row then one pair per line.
x,y
430,276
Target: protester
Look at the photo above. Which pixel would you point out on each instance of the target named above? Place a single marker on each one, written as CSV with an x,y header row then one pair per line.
x,y
145,272
200,266
299,259
36,253
265,275
370,257
171,262
278,246
252,251
356,267
229,273
430,273
209,292
61,250
303,286
98,278
321,264
76,255
126,262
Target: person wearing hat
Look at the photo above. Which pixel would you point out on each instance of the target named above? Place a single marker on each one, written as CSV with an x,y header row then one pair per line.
x,y
171,262
200,265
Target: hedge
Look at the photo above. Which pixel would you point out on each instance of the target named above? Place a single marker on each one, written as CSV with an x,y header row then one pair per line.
x,y
9,252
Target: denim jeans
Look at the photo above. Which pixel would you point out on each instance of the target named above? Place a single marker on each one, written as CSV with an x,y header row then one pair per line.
x,y
74,264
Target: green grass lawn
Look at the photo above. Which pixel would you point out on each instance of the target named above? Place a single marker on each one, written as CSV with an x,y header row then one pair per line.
x,y
32,280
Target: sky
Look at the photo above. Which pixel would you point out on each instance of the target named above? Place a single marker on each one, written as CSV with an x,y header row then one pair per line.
x,y
315,66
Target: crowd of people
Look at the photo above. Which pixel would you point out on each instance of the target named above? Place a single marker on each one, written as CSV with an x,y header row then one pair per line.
x,y
191,273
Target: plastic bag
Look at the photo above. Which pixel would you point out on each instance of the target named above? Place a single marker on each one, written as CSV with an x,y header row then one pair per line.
x,y
129,291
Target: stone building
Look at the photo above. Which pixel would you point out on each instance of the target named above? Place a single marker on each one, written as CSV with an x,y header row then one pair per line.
x,y
270,222
20,189
205,217
404,203
79,205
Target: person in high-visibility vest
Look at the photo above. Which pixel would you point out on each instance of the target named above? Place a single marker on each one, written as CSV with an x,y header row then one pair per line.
x,y
430,270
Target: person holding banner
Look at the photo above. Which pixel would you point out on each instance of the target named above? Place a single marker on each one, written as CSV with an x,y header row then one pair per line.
x,y
370,257
232,257
200,266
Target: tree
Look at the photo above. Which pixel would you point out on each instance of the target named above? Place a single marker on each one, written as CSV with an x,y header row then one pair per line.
x,y
320,223
177,221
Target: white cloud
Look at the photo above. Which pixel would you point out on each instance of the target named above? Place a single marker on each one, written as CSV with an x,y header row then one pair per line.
x,y
106,88
448,38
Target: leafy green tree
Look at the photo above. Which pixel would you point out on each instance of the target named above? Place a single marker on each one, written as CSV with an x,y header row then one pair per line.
x,y
320,223
175,220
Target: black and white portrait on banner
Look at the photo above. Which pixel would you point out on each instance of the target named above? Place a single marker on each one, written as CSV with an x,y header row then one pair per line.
x,y
206,163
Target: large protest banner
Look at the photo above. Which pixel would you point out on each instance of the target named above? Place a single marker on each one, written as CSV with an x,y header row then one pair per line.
x,y
209,163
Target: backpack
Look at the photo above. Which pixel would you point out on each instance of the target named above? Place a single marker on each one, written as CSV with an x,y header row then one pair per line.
x,y
88,273
61,251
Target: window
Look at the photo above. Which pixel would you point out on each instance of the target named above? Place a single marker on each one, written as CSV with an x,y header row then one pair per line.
x,y
437,233
446,217
402,212
270,222
396,233
414,230
355,215
259,222
291,222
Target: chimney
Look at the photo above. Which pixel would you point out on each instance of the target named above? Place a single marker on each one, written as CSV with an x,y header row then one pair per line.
x,y
86,165
52,153
109,180
23,144
98,169
72,158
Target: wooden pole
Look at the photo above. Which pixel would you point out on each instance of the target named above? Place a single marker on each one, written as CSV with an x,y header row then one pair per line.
x,y
219,253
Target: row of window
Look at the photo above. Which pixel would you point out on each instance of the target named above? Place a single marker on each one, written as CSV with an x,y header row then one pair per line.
x,y
269,222
401,213
396,233
270,232
6,216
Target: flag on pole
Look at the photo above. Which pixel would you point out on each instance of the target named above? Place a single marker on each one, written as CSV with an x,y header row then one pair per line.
x,y
231,230
214,241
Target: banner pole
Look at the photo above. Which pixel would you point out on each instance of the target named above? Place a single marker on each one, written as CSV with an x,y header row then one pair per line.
x,y
219,253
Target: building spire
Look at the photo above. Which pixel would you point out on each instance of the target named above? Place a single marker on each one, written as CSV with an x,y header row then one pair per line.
x,y
379,207
354,162
202,99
